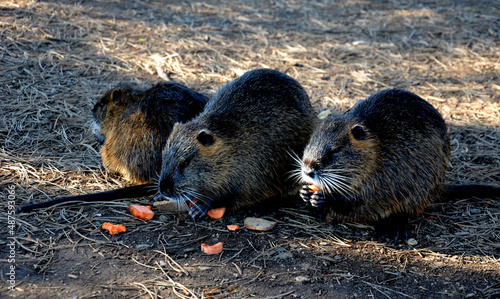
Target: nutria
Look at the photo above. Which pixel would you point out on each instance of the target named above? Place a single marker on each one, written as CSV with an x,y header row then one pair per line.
x,y
238,151
133,125
381,162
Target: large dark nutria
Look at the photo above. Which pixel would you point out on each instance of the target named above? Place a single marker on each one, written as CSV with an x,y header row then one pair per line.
x,y
381,162
238,151
133,126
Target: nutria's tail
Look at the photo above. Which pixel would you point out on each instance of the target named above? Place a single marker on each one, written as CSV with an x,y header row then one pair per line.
x,y
452,192
127,192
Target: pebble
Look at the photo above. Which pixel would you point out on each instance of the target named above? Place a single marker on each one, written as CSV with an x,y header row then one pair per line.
x,y
301,279
412,242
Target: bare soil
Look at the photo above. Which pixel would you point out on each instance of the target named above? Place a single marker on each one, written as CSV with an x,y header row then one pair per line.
x,y
58,57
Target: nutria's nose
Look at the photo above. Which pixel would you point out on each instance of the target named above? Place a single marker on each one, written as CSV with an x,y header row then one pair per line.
x,y
310,167
166,186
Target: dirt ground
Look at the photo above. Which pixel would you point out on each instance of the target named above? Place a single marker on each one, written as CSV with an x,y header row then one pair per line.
x,y
58,57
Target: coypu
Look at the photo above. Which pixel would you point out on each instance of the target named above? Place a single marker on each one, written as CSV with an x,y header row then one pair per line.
x,y
381,162
132,126
237,152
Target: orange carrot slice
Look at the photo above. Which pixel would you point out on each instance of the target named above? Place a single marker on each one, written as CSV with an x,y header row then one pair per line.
x,y
141,212
211,249
313,188
233,227
114,228
216,213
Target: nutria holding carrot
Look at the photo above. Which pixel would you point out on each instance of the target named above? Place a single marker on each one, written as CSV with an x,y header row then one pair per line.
x,y
381,162
238,151
133,125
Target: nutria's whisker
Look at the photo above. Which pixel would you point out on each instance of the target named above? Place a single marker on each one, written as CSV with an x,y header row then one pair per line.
x,y
295,175
337,183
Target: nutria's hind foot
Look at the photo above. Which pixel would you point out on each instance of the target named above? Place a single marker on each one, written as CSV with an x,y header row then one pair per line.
x,y
392,228
316,198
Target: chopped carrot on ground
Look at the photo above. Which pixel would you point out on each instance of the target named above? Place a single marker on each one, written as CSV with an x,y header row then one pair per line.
x,y
233,227
313,188
141,212
214,249
216,213
114,228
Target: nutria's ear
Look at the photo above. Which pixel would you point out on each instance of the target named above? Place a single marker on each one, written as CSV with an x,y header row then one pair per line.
x,y
359,132
116,96
205,137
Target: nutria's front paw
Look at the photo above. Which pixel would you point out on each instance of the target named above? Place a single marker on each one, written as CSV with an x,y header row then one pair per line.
x,y
198,210
305,193
315,197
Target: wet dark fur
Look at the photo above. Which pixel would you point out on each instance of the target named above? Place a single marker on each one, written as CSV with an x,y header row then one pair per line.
x,y
392,150
133,126
237,152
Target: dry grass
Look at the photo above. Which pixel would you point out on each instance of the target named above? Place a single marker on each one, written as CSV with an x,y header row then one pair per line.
x,y
57,58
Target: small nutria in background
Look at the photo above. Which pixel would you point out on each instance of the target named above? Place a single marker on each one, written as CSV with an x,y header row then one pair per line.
x,y
381,162
238,151
133,125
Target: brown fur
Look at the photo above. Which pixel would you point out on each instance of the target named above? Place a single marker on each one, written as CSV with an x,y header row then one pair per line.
x,y
133,126
392,148
237,152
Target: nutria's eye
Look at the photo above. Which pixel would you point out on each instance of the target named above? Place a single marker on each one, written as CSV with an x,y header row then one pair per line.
x,y
116,96
335,150
358,132
205,138
185,163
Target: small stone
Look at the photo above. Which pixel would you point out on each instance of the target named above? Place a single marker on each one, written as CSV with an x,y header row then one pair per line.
x,y
412,242
143,246
301,279
284,255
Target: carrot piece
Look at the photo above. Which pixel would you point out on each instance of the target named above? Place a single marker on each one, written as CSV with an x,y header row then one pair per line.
x,y
141,212
114,228
216,213
211,249
192,203
313,188
233,227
